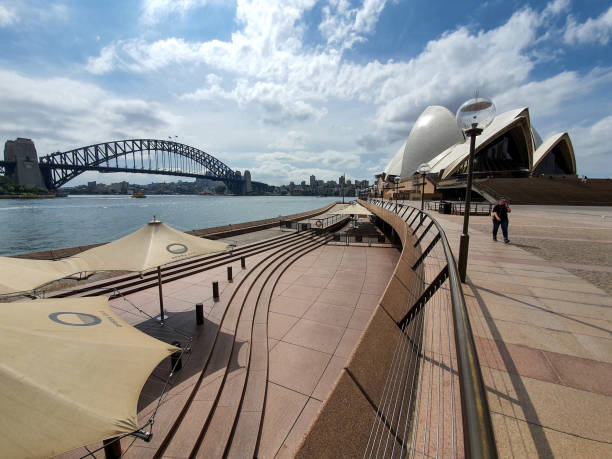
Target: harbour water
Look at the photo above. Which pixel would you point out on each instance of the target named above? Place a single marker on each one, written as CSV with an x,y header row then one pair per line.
x,y
44,224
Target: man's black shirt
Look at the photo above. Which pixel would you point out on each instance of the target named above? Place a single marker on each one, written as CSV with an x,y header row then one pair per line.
x,y
502,211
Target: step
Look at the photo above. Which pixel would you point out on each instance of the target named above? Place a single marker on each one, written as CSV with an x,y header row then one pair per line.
x,y
207,393
246,433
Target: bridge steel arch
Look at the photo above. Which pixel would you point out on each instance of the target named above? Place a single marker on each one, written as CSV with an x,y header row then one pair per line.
x,y
150,156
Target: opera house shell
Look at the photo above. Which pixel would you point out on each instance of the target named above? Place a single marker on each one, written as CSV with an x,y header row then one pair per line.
x,y
509,146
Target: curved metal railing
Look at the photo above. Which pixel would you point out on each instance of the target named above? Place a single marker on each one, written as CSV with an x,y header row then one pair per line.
x,y
418,416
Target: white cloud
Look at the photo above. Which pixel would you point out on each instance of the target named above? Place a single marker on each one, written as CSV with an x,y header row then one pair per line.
x,y
344,26
60,113
8,16
266,89
103,63
556,7
290,141
593,140
552,95
154,11
591,31
281,167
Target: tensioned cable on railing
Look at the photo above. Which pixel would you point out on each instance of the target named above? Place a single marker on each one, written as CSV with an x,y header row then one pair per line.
x,y
478,438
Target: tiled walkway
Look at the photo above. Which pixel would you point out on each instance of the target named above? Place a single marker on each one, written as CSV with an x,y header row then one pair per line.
x,y
544,340
322,304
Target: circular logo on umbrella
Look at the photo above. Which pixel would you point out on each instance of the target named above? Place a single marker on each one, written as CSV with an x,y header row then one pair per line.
x,y
176,248
75,319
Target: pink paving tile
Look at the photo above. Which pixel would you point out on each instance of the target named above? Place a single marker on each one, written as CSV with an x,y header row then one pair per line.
x,y
312,281
339,298
584,374
299,429
327,381
368,301
373,287
516,359
302,292
280,287
348,275
296,367
347,343
290,306
283,407
345,285
279,324
360,319
329,314
315,335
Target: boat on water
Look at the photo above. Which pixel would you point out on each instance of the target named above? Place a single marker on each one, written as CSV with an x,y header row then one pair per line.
x,y
139,194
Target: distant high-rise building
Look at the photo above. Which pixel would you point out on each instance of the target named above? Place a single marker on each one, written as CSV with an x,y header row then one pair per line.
x,y
313,181
341,180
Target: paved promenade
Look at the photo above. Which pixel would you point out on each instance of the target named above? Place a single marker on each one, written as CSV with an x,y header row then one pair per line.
x,y
543,334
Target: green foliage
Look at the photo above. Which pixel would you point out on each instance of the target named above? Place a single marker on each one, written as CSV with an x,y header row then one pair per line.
x,y
219,189
7,187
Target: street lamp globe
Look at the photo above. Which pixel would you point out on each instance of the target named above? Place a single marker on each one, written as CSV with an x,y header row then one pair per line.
x,y
424,168
475,113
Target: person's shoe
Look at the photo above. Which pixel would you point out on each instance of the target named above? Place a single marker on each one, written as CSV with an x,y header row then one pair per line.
x,y
507,241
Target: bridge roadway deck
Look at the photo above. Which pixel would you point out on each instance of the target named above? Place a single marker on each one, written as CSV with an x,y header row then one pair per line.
x,y
319,309
544,334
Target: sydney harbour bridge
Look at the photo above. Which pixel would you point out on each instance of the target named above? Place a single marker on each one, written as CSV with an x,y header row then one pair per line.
x,y
145,156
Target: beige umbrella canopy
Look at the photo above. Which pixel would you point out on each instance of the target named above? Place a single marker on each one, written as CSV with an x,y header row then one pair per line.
x,y
71,372
356,209
22,275
151,246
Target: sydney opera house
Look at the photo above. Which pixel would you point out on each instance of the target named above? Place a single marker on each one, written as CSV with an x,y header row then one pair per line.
x,y
509,147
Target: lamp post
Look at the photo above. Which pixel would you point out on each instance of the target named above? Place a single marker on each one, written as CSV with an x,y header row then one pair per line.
x,y
472,117
423,170
397,181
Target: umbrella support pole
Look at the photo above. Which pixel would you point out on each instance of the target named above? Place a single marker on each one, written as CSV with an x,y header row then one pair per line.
x,y
112,448
162,316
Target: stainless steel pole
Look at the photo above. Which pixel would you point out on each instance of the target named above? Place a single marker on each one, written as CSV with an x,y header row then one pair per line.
x,y
464,241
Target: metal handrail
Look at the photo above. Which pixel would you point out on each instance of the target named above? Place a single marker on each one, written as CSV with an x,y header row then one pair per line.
x,y
479,440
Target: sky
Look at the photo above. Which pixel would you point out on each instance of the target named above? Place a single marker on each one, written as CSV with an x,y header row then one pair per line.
x,y
291,88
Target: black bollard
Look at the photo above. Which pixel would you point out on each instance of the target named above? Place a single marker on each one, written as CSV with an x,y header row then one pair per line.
x,y
199,313
216,291
229,273
175,359
243,262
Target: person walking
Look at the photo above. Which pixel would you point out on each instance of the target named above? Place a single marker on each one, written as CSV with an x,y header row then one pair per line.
x,y
500,218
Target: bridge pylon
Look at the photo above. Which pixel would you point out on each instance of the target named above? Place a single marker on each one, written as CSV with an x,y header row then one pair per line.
x,y
22,163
